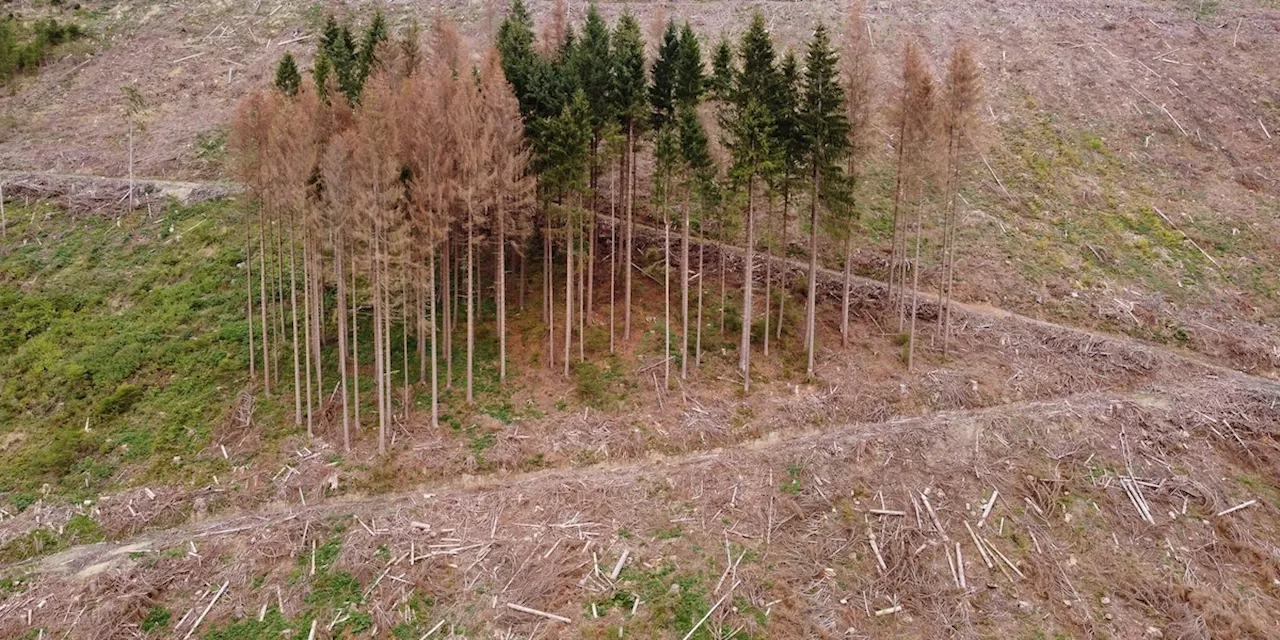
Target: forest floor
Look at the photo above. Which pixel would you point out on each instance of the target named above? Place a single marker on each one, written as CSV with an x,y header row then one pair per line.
x,y
1113,460
1098,457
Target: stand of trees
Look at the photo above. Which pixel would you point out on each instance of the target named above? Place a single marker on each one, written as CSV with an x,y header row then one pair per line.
x,y
390,174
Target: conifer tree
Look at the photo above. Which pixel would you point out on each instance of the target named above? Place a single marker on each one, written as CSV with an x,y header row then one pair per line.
x,y
750,129
630,86
662,93
666,155
824,129
791,152
594,68
689,77
720,83
287,76
696,160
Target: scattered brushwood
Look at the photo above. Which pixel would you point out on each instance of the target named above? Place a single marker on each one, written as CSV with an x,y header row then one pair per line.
x,y
93,195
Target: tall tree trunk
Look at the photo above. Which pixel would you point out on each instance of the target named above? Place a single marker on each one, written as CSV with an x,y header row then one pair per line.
x,y
342,336
375,271
896,257
278,293
306,326
316,268
629,251
666,289
915,296
262,296
591,238
446,272
613,255
435,375
133,202
293,305
500,293
768,272
355,347
702,246
580,256
724,291
548,301
811,328
471,304
568,288
748,278
248,263
420,310
848,284
782,273
684,292
951,243
406,406
524,277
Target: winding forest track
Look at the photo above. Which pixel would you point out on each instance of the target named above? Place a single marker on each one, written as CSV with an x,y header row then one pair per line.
x,y
71,188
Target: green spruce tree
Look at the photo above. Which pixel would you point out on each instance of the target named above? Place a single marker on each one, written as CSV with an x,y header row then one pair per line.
x,y
630,86
824,128
662,98
287,76
690,77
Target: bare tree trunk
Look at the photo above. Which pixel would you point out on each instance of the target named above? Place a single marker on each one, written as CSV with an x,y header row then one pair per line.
x,y
500,294
420,310
248,263
896,257
4,230
568,288
293,304
848,287
262,296
278,294
132,200
376,293
697,345
724,291
435,375
782,273
524,277
446,272
342,337
355,347
666,290
915,295
613,253
684,292
811,328
581,255
630,243
306,325
471,304
404,341
748,278
768,274
548,290
949,242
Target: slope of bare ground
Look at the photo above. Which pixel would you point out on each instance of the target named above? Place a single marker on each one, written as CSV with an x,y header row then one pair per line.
x,y
784,531
1128,181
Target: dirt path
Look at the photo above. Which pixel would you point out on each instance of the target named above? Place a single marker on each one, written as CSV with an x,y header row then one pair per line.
x,y
87,561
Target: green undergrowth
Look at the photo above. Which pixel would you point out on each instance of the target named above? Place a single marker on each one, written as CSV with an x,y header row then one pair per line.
x,y
122,342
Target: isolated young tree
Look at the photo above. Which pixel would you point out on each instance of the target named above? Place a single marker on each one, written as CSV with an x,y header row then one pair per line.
x,y
630,86
287,76
824,129
134,108
961,93
858,76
